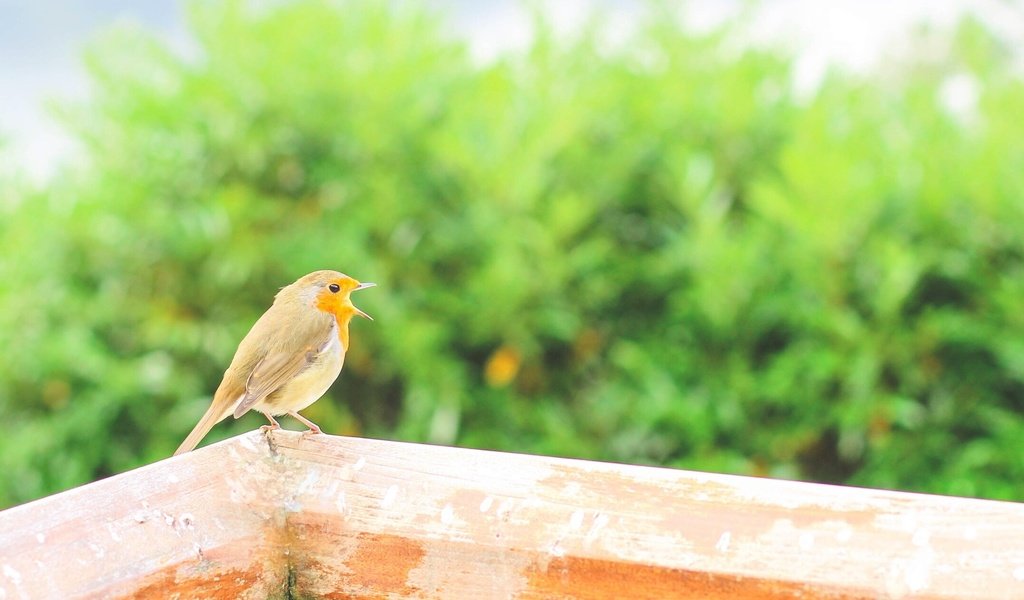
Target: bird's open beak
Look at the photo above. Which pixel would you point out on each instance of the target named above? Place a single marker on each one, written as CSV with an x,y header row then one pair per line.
x,y
363,286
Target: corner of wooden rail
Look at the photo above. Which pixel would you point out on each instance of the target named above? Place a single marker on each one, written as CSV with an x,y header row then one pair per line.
x,y
321,516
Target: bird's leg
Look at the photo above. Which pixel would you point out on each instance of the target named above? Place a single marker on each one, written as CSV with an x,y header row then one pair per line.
x,y
273,423
313,427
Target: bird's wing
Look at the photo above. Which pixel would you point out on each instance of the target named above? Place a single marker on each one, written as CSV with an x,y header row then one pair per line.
x,y
281,364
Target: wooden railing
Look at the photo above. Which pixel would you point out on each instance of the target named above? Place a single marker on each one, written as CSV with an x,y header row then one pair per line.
x,y
329,517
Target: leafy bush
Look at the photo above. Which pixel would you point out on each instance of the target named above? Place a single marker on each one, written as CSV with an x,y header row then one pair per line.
x,y
650,252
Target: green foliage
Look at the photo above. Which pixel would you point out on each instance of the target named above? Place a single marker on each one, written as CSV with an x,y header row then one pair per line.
x,y
650,252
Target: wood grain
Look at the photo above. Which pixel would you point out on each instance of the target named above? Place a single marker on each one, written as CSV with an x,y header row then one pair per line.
x,y
330,517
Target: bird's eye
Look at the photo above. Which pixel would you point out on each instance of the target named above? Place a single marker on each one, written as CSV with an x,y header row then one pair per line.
x,y
335,288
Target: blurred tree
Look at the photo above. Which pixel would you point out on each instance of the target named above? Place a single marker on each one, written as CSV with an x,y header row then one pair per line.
x,y
648,251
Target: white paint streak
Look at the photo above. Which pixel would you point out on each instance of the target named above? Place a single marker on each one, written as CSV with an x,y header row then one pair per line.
x,y
844,535
172,478
359,463
806,541
486,504
219,525
600,520
505,507
340,503
722,544
556,550
13,575
16,579
918,574
311,478
576,520
41,538
447,514
114,535
99,551
389,496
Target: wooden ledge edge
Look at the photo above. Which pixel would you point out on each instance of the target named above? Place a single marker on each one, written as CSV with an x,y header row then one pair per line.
x,y
324,514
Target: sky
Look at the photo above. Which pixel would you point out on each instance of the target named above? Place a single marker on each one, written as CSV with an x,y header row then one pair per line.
x,y
41,43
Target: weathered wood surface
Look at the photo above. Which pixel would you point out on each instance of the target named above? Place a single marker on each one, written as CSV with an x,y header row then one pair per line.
x,y
207,521
330,517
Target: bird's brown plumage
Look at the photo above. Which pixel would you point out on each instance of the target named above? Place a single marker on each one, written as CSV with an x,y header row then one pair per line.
x,y
291,354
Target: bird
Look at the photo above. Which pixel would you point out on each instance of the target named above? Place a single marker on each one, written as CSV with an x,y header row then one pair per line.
x,y
290,357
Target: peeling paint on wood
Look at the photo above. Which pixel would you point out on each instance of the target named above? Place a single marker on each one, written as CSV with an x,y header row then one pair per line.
x,y
328,517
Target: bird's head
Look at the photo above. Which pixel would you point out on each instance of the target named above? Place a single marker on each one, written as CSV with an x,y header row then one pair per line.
x,y
330,291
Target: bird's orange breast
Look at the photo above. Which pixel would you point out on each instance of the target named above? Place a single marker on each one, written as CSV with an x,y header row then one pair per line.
x,y
333,305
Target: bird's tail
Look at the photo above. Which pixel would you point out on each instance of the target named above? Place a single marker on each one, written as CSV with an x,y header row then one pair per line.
x,y
215,414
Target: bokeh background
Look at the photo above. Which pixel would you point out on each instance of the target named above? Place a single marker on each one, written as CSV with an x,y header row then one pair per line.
x,y
643,238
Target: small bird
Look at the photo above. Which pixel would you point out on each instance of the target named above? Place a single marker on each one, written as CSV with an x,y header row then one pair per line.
x,y
291,355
